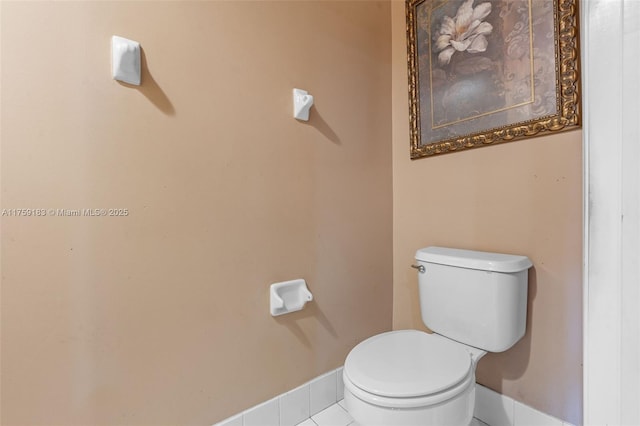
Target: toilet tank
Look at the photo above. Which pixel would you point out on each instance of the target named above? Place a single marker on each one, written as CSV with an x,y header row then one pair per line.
x,y
476,298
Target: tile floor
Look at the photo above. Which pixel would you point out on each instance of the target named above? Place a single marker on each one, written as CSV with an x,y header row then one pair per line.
x,y
337,415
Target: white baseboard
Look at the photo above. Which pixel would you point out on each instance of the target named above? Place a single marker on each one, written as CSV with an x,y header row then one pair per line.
x,y
499,410
297,405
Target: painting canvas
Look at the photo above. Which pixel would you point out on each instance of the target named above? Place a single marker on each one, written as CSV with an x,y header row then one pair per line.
x,y
489,71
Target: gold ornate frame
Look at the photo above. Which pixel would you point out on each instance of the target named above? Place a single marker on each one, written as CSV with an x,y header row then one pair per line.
x,y
565,15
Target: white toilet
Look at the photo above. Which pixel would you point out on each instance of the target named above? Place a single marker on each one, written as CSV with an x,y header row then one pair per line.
x,y
475,302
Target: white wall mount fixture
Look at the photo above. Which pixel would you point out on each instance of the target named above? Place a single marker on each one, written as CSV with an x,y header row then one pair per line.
x,y
289,296
125,60
302,102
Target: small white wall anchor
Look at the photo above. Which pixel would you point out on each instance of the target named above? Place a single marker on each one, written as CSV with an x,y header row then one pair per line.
x,y
289,296
125,60
302,102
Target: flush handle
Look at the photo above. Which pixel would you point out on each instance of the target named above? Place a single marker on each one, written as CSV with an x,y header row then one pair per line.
x,y
420,268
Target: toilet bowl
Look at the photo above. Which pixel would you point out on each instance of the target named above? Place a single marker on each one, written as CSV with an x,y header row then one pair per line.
x,y
410,378
474,302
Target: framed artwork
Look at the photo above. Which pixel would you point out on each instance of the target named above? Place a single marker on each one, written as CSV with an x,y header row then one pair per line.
x,y
483,72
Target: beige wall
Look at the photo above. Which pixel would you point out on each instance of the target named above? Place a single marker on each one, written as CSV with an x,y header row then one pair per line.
x,y
162,317
521,197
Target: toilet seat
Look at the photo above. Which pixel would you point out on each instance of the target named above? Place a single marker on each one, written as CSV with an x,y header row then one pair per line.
x,y
408,368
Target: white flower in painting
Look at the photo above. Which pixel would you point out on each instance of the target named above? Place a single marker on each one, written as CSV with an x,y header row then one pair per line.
x,y
463,32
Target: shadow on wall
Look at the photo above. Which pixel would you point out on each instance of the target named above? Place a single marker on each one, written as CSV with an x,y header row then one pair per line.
x,y
150,89
316,120
311,310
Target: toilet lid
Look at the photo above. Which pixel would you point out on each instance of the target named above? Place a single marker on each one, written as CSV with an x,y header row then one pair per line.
x,y
407,363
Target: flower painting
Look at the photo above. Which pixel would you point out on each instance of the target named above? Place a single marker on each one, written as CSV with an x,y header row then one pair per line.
x,y
466,32
486,71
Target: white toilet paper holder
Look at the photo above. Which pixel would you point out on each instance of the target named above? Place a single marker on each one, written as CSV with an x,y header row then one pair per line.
x,y
289,296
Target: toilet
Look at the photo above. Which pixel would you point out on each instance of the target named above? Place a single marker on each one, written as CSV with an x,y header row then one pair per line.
x,y
474,302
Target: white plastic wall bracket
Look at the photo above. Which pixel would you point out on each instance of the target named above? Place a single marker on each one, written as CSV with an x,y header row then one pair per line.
x,y
302,102
289,296
125,60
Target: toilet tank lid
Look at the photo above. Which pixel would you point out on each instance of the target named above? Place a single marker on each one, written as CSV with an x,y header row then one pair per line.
x,y
470,259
